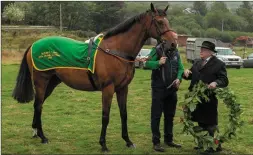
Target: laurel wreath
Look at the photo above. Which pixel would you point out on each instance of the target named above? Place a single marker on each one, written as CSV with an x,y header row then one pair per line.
x,y
201,137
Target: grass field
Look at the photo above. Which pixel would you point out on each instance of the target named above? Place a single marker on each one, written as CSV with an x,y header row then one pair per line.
x,y
72,119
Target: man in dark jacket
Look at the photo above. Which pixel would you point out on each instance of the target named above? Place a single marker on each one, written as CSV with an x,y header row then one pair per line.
x,y
167,71
211,71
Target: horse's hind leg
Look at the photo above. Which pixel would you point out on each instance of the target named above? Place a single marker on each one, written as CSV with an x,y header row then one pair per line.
x,y
41,81
53,82
122,101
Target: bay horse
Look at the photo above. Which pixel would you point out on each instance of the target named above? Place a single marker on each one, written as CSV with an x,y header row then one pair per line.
x,y
114,70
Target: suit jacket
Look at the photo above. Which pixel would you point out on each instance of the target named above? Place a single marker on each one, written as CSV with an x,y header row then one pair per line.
x,y
213,71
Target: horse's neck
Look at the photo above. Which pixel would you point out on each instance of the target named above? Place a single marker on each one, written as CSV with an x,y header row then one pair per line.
x,y
129,42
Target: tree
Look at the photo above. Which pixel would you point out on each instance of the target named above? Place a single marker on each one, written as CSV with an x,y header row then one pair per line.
x,y
213,33
236,23
192,25
245,11
26,7
246,5
218,16
13,13
75,15
182,30
183,21
43,13
199,20
226,37
221,6
134,8
4,4
106,15
200,6
196,32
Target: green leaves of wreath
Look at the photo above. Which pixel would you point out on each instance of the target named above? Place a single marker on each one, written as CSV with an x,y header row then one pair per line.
x,y
202,138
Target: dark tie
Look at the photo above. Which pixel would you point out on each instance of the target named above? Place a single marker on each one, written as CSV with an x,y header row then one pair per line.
x,y
203,62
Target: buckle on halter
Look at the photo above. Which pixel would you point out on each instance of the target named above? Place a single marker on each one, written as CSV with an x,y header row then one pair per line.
x,y
88,58
107,50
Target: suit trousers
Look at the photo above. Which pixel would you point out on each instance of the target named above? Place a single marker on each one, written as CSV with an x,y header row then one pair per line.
x,y
163,101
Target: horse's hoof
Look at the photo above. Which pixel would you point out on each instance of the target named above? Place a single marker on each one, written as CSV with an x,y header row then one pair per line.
x,y
35,136
44,141
131,146
105,149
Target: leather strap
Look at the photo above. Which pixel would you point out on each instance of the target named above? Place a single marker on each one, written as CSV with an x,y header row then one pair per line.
x,y
115,53
91,80
90,75
122,55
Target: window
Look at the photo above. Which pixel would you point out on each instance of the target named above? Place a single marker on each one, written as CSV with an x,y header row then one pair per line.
x,y
250,56
224,51
144,52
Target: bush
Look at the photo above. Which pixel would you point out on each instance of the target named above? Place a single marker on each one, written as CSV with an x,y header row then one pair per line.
x,y
213,33
182,30
196,33
226,37
85,34
192,25
203,33
13,13
90,34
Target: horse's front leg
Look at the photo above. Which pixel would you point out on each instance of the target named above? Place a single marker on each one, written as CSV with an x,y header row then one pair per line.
x,y
107,95
122,101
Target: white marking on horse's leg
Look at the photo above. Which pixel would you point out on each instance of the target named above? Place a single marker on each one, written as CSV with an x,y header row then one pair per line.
x,y
34,132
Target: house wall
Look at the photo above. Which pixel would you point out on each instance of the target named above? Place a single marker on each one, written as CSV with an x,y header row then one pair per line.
x,y
182,40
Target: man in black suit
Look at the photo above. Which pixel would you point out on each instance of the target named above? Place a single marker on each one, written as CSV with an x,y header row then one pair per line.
x,y
211,71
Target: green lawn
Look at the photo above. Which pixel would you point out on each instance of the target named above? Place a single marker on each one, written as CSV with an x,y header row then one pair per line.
x,y
72,119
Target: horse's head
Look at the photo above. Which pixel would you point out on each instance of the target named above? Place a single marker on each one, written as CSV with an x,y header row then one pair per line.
x,y
159,27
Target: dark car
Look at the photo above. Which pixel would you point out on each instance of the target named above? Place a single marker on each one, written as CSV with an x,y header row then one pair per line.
x,y
142,54
248,62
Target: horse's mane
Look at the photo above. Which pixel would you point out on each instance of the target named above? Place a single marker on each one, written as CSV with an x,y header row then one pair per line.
x,y
127,24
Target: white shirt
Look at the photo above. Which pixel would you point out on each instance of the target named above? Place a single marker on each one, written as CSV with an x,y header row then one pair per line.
x,y
206,60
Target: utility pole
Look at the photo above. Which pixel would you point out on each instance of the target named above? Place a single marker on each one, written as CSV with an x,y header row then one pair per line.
x,y
60,18
222,22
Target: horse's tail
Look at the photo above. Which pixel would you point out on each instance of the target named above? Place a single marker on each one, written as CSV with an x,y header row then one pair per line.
x,y
23,91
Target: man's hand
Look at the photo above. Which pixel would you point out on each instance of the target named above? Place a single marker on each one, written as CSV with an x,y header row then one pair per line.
x,y
212,85
141,59
162,60
176,83
187,72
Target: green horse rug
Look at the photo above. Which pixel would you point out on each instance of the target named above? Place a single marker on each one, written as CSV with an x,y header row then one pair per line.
x,y
61,52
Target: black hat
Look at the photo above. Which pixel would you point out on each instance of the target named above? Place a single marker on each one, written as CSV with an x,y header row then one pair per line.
x,y
208,45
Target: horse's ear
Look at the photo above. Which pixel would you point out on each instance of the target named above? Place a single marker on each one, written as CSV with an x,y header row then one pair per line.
x,y
152,7
166,8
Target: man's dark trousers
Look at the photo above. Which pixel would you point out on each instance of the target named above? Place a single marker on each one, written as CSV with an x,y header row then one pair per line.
x,y
163,100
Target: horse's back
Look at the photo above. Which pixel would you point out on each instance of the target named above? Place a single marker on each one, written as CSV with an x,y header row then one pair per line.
x,y
57,43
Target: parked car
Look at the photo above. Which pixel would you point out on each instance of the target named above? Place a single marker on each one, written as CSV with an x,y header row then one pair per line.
x,y
228,57
142,54
225,54
248,62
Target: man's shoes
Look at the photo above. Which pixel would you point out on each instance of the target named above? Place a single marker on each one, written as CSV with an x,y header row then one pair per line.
x,y
208,151
219,148
197,148
172,144
158,147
